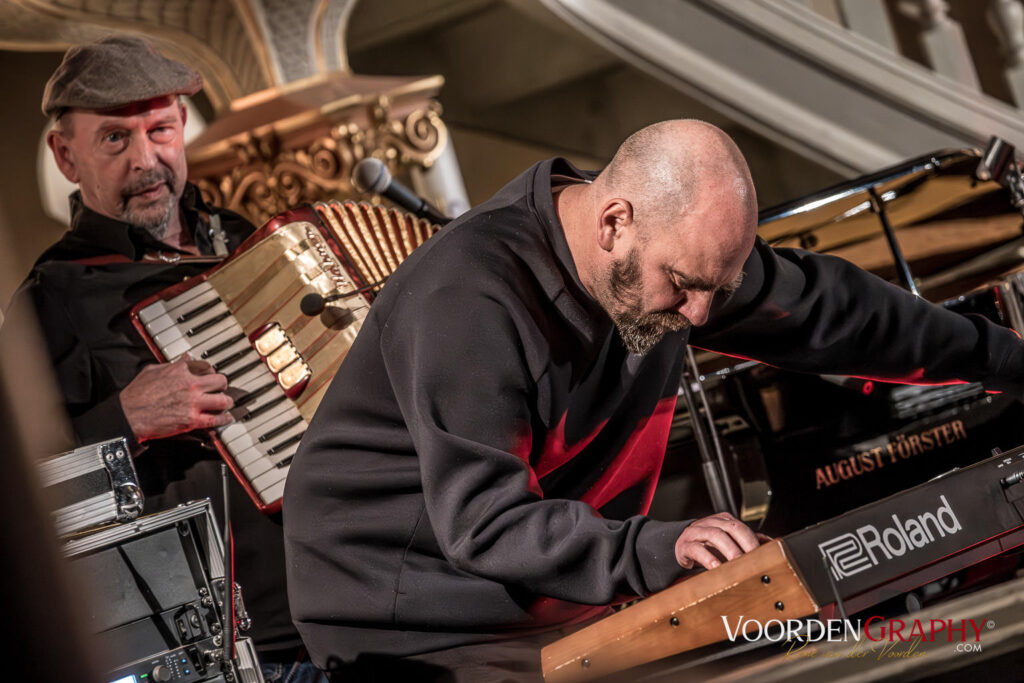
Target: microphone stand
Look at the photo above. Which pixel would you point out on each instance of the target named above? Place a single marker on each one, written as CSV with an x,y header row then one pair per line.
x,y
228,595
712,457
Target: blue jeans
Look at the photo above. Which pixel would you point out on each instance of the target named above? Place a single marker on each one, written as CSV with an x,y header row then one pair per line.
x,y
299,672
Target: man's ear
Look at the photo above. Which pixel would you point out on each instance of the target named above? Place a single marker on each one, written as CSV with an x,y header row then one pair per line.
x,y
63,155
616,218
184,111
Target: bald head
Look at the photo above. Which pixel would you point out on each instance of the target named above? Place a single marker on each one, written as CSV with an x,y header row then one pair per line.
x,y
666,226
665,169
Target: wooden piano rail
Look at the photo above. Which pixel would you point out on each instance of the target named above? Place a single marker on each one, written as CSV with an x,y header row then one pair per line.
x,y
761,585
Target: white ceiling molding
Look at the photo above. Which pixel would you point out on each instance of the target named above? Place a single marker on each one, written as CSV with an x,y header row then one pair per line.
x,y
793,76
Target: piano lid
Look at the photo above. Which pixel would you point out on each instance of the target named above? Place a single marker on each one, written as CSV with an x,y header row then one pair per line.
x,y
939,205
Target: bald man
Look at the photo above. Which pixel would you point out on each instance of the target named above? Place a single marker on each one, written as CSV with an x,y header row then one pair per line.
x,y
477,477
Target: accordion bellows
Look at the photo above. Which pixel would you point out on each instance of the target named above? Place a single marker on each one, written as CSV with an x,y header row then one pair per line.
x,y
244,317
374,239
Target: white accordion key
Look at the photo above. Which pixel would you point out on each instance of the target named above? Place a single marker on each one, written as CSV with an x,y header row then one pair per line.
x,y
175,343
259,458
153,311
186,315
275,491
227,351
270,477
265,407
151,315
250,376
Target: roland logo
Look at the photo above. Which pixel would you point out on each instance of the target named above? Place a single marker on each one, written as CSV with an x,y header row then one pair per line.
x,y
869,546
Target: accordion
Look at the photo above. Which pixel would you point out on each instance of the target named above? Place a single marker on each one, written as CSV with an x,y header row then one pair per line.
x,y
259,317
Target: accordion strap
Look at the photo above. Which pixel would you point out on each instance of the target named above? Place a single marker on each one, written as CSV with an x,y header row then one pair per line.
x,y
102,260
153,257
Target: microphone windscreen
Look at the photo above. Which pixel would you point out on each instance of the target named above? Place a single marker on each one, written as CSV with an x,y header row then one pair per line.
x,y
371,175
311,304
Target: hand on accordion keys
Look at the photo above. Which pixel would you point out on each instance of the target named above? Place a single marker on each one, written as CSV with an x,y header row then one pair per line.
x,y
173,398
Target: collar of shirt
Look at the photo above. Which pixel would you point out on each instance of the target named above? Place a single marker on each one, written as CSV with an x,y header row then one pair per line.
x,y
557,171
110,235
579,309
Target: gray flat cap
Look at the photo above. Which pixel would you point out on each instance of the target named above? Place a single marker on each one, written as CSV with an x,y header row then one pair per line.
x,y
114,72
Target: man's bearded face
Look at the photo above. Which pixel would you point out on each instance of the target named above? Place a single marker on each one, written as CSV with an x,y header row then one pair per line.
x,y
129,162
622,298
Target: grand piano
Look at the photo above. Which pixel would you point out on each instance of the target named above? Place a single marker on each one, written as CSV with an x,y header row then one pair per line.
x,y
793,449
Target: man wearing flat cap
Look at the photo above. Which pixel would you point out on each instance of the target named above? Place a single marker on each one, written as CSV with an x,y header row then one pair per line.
x,y
137,227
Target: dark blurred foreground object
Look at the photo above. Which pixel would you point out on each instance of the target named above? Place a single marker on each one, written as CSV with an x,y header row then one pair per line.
x,y
46,640
800,448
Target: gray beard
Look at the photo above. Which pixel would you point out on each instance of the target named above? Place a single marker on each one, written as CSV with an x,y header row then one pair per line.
x,y
641,333
151,219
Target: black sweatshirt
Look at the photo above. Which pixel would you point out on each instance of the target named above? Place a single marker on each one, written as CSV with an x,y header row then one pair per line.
x,y
83,310
481,464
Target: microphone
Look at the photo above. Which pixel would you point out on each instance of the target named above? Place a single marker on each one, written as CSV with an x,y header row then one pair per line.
x,y
333,317
314,304
371,176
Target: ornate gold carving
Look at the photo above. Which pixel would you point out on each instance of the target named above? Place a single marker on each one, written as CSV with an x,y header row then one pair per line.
x,y
418,139
269,179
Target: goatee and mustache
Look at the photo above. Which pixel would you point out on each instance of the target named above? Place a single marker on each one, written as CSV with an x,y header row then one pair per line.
x,y
639,331
153,217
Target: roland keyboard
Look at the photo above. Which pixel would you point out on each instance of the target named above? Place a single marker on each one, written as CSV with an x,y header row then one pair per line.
x,y
856,560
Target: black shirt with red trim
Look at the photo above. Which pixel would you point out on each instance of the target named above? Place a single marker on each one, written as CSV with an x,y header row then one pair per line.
x,y
81,290
483,461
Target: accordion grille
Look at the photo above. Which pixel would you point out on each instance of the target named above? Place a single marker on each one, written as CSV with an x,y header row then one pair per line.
x,y
374,239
